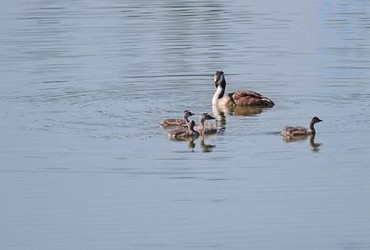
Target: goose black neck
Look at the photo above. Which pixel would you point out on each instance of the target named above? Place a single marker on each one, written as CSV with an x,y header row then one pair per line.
x,y
312,127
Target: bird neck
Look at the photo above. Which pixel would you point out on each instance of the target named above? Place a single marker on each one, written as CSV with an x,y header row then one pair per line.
x,y
202,120
312,127
192,130
220,91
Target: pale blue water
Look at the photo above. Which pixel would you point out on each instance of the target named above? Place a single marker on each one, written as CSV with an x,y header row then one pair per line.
x,y
85,164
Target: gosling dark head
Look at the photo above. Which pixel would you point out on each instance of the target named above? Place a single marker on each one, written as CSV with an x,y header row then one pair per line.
x,y
207,116
316,119
188,113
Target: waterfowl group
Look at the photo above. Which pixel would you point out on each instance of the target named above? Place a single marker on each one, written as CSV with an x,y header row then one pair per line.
x,y
193,130
239,99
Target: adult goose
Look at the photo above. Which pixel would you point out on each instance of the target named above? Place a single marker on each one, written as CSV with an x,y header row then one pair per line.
x,y
238,98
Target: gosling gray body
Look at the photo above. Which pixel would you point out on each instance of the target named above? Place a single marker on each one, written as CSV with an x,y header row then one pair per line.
x,y
290,131
184,135
171,123
206,129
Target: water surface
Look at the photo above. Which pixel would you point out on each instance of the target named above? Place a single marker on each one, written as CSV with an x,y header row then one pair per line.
x,y
85,164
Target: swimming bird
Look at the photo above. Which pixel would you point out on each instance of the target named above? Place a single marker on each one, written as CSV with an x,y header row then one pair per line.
x,y
238,98
184,135
299,131
170,123
206,129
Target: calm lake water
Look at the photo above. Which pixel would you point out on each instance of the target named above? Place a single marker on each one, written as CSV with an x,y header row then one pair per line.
x,y
85,164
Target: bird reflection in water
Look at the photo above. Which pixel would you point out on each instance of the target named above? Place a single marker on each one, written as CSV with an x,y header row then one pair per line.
x,y
191,145
315,147
239,110
191,142
220,111
220,117
206,148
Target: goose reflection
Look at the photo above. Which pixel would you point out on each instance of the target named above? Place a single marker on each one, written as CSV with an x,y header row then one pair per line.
x,y
220,112
314,145
206,148
220,117
239,110
191,145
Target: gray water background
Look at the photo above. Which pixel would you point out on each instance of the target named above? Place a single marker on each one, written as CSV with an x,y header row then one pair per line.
x,y
84,163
